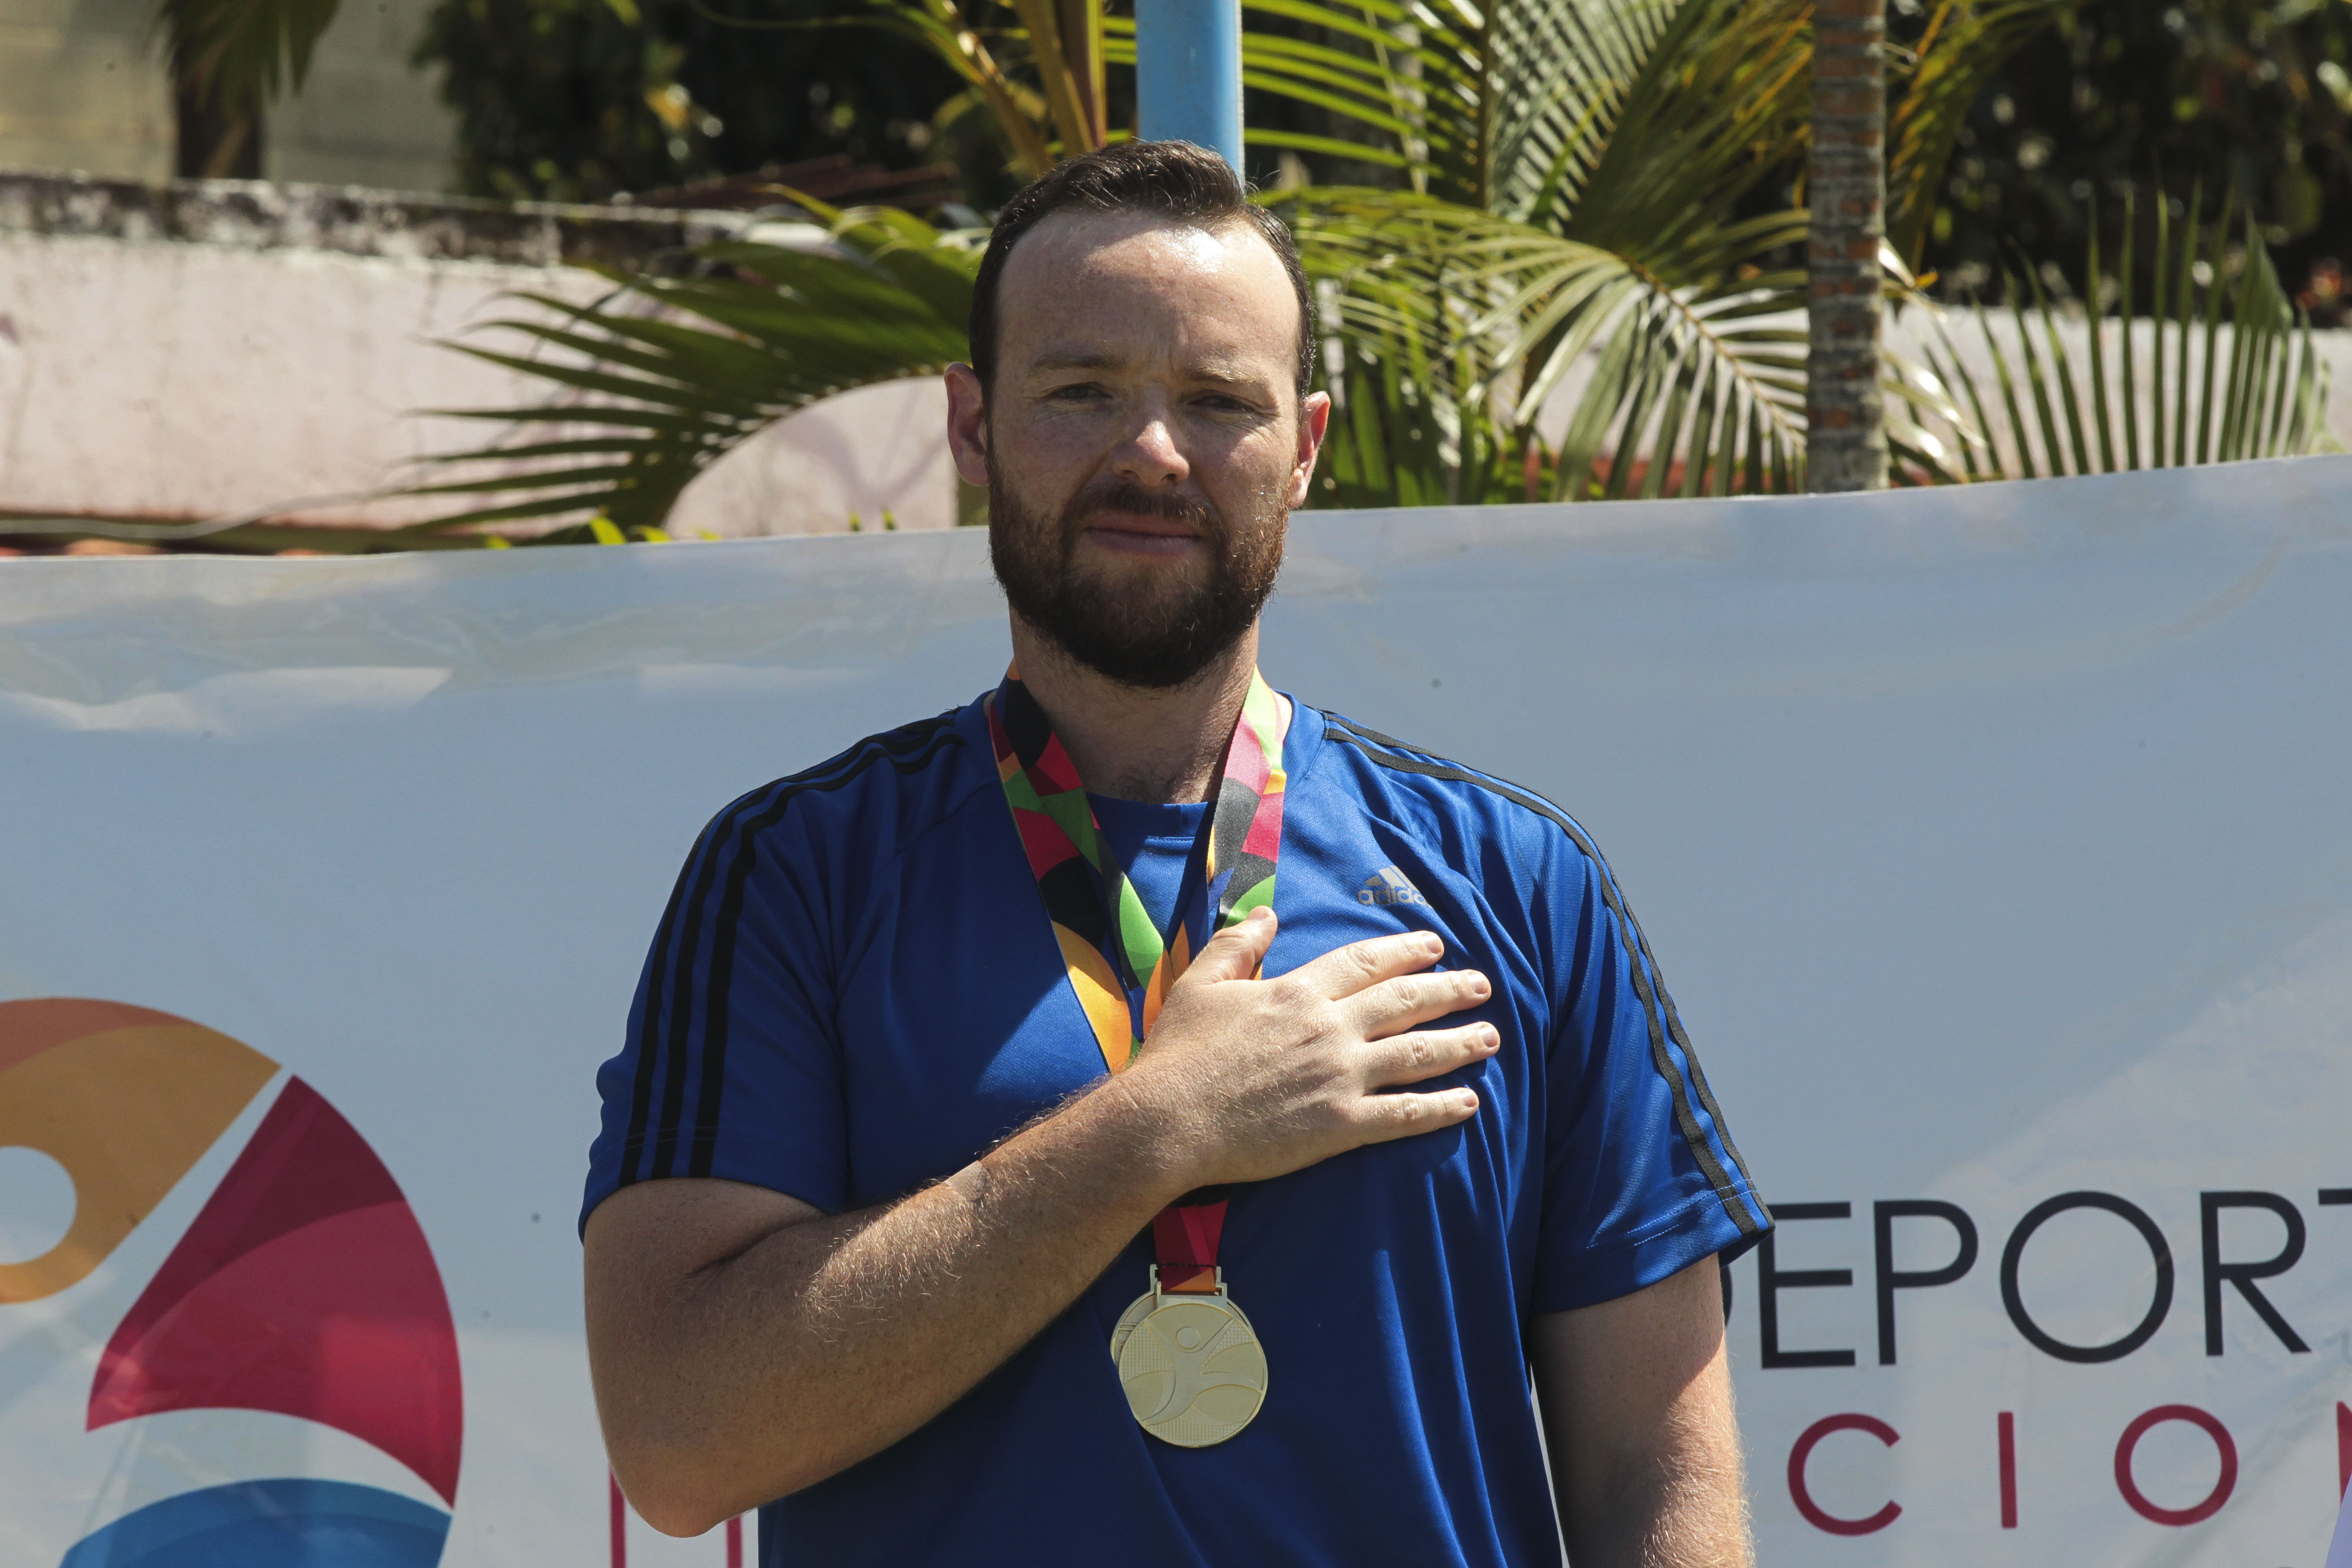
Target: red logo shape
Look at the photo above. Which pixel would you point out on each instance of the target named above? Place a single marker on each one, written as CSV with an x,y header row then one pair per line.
x,y
305,1288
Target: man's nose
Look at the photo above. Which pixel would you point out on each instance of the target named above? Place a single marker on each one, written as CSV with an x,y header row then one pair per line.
x,y
1150,454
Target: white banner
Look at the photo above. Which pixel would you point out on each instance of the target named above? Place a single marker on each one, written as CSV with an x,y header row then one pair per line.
x,y
1994,842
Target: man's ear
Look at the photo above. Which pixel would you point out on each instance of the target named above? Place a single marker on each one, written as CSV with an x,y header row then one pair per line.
x,y
1314,420
968,423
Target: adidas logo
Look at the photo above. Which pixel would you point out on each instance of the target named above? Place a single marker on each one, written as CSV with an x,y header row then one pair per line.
x,y
1389,886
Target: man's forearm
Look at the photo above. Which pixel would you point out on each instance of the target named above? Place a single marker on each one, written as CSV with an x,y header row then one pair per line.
x,y
824,1340
1636,1401
1682,1505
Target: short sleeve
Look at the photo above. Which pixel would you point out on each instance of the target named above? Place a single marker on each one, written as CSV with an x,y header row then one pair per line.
x,y
1640,1178
732,1067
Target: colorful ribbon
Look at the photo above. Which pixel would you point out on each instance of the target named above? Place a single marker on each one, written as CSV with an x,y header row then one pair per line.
x,y
1119,965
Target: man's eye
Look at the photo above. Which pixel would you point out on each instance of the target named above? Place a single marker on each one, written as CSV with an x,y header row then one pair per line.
x,y
1081,392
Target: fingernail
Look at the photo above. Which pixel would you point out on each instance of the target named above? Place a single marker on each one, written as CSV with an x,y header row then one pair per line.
x,y
1433,944
1494,1038
1479,987
1469,1101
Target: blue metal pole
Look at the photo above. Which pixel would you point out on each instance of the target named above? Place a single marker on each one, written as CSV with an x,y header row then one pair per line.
x,y
1187,73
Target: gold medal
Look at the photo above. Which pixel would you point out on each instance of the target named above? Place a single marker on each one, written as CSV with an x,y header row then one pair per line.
x,y
1191,1365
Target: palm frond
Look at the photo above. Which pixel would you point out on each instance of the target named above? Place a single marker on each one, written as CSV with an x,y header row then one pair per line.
x,y
1456,328
1592,118
1721,103
1964,44
1577,252
659,380
2231,370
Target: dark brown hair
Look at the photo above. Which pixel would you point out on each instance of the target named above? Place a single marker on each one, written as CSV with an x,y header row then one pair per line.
x,y
1175,180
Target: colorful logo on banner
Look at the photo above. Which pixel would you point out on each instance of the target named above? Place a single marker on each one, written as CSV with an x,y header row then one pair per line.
x,y
303,1286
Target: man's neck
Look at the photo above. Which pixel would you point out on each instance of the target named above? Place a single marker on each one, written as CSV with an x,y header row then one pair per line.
x,y
1133,743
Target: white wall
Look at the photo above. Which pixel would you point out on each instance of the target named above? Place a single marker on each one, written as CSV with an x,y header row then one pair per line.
x,y
878,449
175,380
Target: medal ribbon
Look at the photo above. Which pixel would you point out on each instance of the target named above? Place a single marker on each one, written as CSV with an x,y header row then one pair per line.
x,y
1119,965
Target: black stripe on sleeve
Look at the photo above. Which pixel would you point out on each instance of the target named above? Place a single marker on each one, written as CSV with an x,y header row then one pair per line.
x,y
721,864
907,750
1674,1032
669,978
1656,1006
667,1017
649,1035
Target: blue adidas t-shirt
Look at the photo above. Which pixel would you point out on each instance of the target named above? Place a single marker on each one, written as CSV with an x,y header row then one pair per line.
x,y
855,991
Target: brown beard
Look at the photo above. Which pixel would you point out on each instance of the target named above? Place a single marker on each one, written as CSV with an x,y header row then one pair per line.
x,y
1155,644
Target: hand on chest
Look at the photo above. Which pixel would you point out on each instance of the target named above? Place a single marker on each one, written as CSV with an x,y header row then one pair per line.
x,y
950,1045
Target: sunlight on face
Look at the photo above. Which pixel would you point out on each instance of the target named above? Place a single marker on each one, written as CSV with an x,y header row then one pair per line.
x,y
1143,440
1137,354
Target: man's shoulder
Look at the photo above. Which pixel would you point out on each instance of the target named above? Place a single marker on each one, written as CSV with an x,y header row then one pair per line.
x,y
876,794
1432,794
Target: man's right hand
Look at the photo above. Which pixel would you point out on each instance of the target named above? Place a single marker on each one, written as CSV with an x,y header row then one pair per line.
x,y
1249,1079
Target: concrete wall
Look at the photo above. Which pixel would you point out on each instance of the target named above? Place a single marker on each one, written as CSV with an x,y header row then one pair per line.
x,y
82,87
177,380
881,449
213,350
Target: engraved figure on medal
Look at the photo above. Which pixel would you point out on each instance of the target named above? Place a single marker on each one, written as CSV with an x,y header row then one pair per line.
x,y
1136,1311
1191,1367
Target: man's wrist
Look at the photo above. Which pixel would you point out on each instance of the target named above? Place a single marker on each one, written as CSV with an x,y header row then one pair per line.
x,y
1156,1148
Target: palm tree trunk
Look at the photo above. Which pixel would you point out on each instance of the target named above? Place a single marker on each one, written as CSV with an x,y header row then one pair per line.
x,y
214,143
1845,413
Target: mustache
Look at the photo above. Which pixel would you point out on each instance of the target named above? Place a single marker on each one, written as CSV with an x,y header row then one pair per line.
x,y
1125,495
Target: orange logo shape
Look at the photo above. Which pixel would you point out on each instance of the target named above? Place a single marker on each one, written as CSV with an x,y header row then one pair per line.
x,y
126,1099
303,1286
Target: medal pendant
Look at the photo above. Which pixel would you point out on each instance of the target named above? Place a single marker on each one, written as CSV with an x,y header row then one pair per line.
x,y
1191,1367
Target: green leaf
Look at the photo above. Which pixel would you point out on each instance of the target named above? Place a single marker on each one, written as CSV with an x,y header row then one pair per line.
x,y
2267,402
692,367
1462,325
2127,277
1964,44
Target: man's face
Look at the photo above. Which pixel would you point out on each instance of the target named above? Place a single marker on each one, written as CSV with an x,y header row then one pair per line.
x,y
1144,441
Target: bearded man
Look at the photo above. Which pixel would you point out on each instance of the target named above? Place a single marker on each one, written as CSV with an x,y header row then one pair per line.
x,y
1140,1118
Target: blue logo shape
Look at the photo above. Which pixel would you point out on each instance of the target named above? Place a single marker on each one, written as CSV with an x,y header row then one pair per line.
x,y
291,1522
